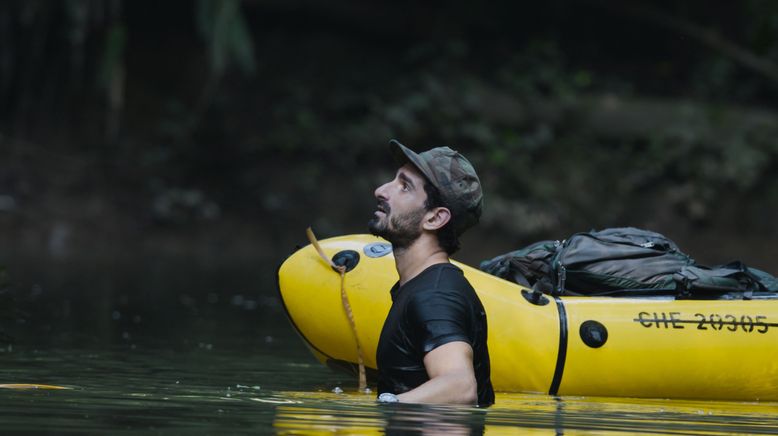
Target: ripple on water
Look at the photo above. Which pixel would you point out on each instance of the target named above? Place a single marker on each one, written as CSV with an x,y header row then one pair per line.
x,y
235,391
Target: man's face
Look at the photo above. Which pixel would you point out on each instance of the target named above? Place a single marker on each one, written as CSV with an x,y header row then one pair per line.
x,y
401,208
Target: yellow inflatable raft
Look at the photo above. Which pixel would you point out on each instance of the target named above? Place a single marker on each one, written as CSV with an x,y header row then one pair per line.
x,y
601,346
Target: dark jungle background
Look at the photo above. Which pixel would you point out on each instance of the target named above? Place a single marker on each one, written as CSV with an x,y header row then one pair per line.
x,y
159,159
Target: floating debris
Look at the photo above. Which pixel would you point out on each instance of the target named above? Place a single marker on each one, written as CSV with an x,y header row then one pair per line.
x,y
31,386
275,401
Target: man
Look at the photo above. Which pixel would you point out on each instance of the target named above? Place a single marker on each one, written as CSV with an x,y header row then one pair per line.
x,y
432,347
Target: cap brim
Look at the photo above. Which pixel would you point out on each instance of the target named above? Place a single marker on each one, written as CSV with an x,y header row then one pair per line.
x,y
403,155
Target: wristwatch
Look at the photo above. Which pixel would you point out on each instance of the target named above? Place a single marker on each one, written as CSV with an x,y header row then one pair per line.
x,y
388,397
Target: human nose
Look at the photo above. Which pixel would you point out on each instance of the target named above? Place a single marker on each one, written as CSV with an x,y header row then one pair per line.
x,y
380,192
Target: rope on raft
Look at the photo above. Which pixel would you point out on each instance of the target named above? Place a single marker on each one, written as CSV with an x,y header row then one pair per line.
x,y
346,306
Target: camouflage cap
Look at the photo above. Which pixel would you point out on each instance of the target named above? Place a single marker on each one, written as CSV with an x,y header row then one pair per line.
x,y
454,177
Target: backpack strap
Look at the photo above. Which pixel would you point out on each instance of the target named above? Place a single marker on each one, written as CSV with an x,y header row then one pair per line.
x,y
734,277
521,279
561,278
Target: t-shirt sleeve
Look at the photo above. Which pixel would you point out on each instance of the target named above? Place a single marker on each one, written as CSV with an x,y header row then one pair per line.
x,y
438,317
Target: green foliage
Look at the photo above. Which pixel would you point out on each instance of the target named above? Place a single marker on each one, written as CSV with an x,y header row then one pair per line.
x,y
548,144
560,133
3,279
112,59
222,24
762,30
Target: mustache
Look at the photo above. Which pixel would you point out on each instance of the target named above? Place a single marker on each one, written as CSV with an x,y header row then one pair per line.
x,y
384,207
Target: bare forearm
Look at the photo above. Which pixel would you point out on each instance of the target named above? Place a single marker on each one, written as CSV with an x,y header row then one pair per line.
x,y
452,388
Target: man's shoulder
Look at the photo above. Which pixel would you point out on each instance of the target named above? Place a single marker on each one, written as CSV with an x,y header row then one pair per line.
x,y
440,276
443,283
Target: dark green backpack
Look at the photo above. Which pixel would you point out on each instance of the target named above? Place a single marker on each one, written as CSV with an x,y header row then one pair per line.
x,y
623,261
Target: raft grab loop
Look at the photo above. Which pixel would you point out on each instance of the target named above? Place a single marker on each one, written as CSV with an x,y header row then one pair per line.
x,y
342,267
346,258
535,296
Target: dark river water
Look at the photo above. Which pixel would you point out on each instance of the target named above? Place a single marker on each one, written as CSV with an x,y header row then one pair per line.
x,y
177,346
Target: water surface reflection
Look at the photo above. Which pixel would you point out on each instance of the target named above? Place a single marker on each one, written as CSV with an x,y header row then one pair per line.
x,y
166,348
520,413
282,390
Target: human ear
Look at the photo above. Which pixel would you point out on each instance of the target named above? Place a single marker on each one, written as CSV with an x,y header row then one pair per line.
x,y
437,218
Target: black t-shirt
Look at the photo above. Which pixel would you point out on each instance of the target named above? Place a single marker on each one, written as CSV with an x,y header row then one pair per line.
x,y
434,308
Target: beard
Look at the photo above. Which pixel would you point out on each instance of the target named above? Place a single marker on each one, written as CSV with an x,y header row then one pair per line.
x,y
401,230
